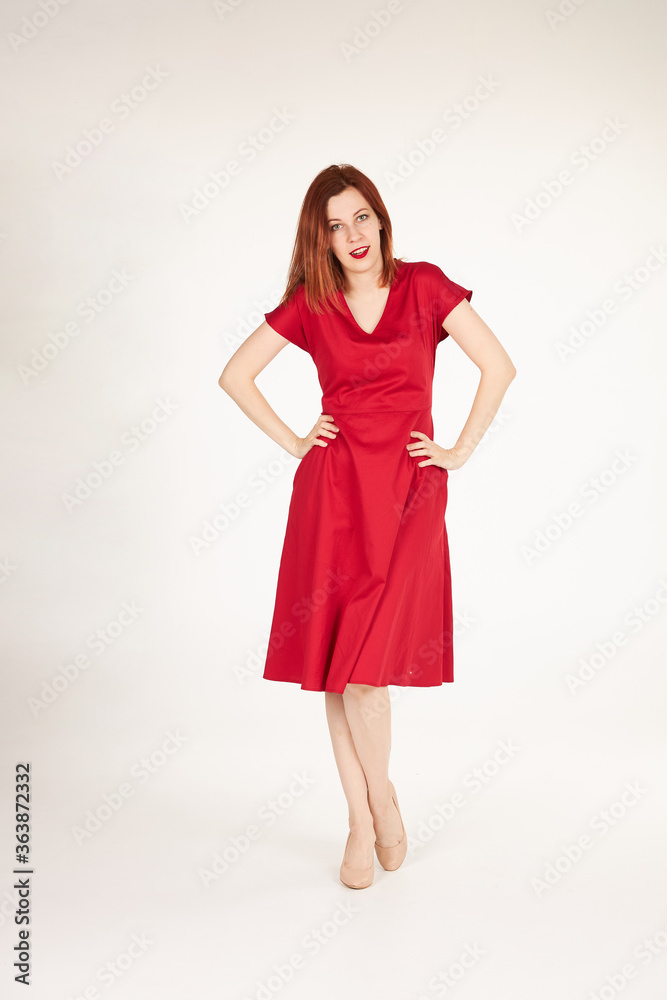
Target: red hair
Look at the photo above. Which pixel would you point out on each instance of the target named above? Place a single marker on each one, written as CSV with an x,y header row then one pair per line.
x,y
313,262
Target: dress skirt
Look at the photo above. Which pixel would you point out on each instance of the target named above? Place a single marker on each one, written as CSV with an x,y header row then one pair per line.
x,y
364,586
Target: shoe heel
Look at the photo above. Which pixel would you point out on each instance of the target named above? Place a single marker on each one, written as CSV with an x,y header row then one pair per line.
x,y
392,858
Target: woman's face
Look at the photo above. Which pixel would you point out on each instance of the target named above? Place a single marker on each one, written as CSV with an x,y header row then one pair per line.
x,y
354,225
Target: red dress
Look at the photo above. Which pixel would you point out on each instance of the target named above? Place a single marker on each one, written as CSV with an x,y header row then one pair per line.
x,y
364,588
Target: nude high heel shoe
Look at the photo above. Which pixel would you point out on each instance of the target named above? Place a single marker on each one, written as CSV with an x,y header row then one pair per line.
x,y
392,858
356,878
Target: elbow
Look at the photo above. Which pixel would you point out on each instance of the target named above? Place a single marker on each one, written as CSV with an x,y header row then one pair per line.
x,y
502,372
225,379
232,382
509,371
509,374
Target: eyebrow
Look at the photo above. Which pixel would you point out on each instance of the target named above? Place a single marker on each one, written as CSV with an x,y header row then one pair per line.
x,y
364,208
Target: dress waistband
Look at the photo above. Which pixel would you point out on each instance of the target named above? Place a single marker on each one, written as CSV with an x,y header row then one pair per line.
x,y
331,407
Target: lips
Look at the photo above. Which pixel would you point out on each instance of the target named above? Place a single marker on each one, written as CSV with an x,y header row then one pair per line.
x,y
359,252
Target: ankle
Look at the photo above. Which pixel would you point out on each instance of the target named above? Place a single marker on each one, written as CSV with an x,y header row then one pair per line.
x,y
361,825
381,805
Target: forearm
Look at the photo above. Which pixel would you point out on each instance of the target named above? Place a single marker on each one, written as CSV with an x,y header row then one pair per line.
x,y
492,387
248,397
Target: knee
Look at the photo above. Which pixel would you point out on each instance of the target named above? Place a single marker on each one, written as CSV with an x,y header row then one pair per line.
x,y
360,690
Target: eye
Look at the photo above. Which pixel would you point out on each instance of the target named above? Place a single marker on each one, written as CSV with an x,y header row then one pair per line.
x,y
364,215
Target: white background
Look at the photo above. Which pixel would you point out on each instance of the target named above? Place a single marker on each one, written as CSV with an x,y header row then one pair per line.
x,y
188,661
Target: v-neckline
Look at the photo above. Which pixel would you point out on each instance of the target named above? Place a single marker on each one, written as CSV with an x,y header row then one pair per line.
x,y
382,315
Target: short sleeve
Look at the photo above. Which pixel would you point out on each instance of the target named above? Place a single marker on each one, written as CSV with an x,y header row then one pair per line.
x,y
447,294
286,320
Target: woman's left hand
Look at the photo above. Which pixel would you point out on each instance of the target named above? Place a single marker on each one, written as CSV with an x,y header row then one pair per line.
x,y
444,458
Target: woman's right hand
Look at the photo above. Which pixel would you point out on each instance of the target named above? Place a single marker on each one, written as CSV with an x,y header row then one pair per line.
x,y
324,426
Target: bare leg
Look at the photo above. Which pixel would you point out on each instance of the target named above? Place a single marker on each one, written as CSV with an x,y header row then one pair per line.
x,y
360,848
360,726
368,712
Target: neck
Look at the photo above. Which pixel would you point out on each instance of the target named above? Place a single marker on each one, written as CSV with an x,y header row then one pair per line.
x,y
360,285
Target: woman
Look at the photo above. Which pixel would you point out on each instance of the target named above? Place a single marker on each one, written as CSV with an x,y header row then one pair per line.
x,y
364,592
